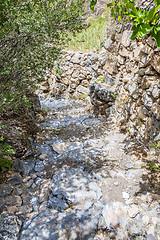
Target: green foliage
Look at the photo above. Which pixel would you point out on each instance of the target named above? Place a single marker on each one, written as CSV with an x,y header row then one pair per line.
x,y
155,145
58,71
144,21
5,163
153,166
32,33
6,149
92,4
92,38
100,79
114,95
5,152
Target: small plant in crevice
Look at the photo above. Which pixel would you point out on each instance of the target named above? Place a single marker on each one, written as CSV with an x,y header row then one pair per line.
x,y
100,79
140,119
153,166
114,95
5,163
155,145
58,71
6,152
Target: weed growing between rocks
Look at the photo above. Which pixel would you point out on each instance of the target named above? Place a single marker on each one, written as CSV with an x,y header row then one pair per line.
x,y
6,152
152,164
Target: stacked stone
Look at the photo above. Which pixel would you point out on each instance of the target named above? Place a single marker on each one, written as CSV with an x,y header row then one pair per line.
x,y
138,86
129,70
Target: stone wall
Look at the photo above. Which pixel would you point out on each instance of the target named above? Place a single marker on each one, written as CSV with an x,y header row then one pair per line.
x,y
128,71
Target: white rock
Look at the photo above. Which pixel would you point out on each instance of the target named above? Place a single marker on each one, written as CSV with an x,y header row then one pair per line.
x,y
116,183
125,195
126,38
83,90
133,211
145,220
59,147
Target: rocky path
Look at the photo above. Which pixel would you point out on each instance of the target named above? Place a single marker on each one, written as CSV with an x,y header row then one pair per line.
x,y
79,184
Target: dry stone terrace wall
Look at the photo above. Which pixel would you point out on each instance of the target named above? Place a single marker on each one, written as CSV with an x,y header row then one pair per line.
x,y
138,86
126,72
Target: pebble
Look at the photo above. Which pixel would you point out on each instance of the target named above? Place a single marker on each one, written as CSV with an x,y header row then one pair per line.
x,y
125,195
33,185
112,235
43,156
116,183
29,184
26,179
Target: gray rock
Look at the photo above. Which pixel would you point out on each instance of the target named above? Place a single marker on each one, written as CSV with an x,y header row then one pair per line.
x,y
77,224
109,80
35,203
76,59
108,44
27,166
29,183
147,101
5,190
75,185
10,227
14,200
95,67
87,62
16,180
39,166
38,181
101,93
93,57
1,206
157,137
57,203
126,38
114,214
132,88
142,72
155,91
83,90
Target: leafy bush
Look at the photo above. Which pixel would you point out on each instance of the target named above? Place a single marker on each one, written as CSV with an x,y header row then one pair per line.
x,y
145,21
32,33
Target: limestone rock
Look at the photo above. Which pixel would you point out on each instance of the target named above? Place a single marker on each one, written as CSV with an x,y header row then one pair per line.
x,y
10,226
133,211
83,90
13,201
156,63
74,185
5,190
126,38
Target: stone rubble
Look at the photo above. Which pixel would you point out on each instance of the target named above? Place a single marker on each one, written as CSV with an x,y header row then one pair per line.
x,y
78,186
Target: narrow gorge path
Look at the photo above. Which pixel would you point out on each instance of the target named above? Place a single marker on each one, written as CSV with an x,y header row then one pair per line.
x,y
80,183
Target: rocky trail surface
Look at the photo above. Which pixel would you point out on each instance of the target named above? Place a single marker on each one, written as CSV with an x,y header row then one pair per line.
x,y
77,182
